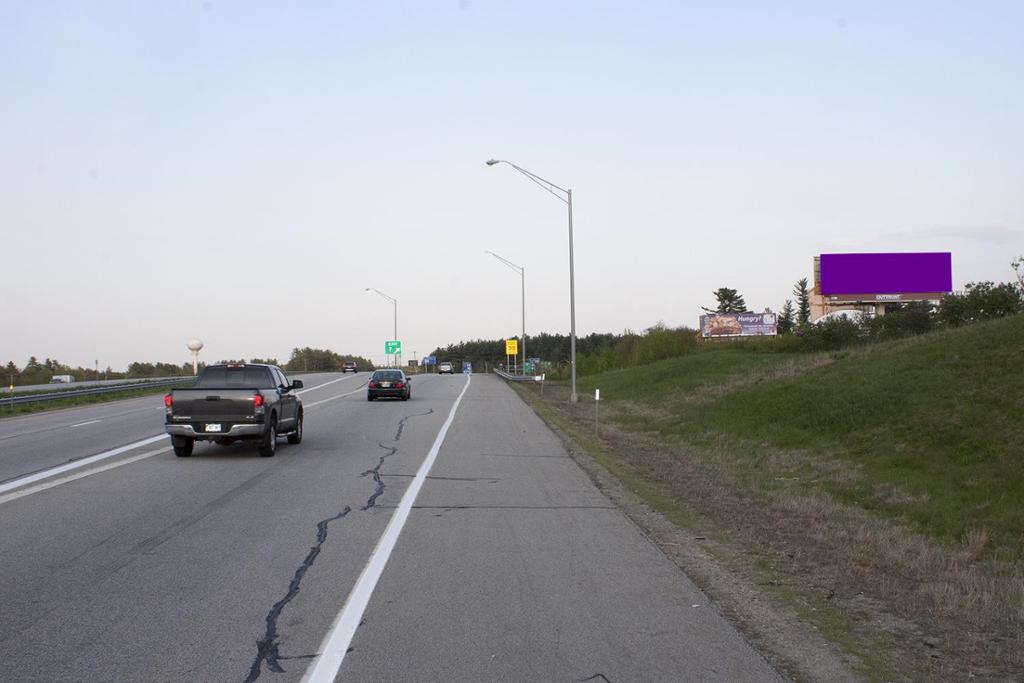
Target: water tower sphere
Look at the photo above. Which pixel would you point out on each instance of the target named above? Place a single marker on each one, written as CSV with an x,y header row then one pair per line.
x,y
194,344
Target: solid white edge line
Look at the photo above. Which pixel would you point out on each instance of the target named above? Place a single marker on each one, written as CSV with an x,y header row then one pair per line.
x,y
45,474
81,475
326,665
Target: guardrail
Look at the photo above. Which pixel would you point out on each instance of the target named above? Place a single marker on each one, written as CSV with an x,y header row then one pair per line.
x,y
517,378
15,399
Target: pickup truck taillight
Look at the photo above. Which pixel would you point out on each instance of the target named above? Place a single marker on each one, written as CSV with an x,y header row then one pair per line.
x,y
257,400
168,403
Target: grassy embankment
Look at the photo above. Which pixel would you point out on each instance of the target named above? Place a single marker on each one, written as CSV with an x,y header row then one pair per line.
x,y
893,471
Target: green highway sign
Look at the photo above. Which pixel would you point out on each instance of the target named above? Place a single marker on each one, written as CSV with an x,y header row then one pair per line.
x,y
392,348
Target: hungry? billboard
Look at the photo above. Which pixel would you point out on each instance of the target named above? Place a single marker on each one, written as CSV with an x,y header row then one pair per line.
x,y
886,277
738,325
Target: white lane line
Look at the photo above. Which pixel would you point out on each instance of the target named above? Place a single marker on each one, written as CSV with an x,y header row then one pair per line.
x,y
333,398
325,667
90,422
319,386
18,483
81,475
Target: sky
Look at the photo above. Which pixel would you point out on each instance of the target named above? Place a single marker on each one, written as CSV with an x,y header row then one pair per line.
x,y
241,172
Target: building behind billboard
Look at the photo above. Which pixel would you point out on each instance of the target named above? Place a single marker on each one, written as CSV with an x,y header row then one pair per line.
x,y
868,282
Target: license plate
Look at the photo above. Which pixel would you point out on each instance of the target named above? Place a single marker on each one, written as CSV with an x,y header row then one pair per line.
x,y
213,427
385,384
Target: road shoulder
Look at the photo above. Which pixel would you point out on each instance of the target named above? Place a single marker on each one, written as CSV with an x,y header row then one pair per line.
x,y
792,645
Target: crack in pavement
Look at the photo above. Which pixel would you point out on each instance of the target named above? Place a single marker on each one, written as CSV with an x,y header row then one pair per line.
x,y
372,501
267,647
401,423
595,677
391,450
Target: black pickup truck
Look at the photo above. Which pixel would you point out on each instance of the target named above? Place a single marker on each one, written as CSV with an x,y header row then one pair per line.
x,y
231,402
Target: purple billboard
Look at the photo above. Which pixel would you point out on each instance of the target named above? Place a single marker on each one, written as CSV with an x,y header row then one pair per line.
x,y
908,275
738,324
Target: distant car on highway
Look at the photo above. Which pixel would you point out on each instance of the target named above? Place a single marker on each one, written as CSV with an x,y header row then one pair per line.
x,y
445,368
235,401
389,384
350,366
62,379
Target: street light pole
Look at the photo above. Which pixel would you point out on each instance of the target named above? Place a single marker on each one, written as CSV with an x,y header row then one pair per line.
x,y
572,304
567,199
522,274
394,302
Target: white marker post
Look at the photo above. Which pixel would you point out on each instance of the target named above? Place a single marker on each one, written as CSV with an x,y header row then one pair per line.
x,y
597,402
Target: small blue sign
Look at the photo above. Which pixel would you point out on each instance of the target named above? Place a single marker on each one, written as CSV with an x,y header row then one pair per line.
x,y
429,360
467,367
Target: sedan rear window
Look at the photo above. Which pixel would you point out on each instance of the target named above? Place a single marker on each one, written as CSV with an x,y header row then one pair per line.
x,y
388,375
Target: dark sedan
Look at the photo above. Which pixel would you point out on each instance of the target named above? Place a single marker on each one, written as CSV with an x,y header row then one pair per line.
x,y
389,384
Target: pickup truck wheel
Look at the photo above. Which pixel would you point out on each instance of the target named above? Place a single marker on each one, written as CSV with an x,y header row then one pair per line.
x,y
296,436
269,445
182,446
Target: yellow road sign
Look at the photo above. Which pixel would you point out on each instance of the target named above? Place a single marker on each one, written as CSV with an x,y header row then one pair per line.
x,y
511,347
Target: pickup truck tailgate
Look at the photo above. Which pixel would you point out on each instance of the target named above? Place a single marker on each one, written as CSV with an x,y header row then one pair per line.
x,y
202,406
230,406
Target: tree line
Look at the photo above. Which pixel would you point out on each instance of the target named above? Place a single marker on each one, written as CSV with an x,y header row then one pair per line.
x,y
35,371
601,352
978,301
322,360
554,348
598,352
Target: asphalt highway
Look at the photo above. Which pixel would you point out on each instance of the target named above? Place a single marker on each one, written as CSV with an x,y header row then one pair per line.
x,y
445,538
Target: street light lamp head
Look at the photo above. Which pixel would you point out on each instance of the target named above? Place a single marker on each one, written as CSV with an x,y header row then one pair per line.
x,y
492,162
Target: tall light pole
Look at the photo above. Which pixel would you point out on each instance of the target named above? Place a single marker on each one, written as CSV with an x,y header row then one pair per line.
x,y
395,303
567,199
522,273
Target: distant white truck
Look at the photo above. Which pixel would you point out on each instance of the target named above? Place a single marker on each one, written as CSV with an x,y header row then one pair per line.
x,y
62,379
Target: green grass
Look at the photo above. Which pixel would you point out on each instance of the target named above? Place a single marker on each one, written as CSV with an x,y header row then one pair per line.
x,y
651,383
931,426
